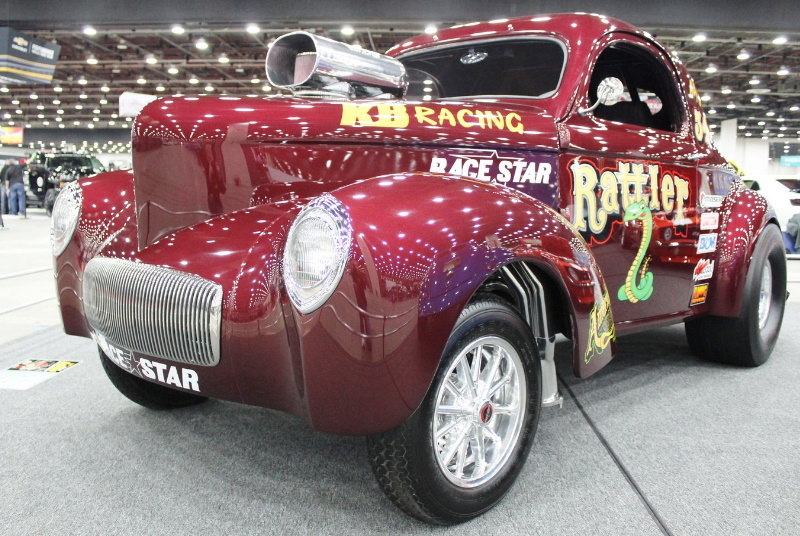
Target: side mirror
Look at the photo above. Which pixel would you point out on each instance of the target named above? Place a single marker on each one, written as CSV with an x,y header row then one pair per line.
x,y
609,92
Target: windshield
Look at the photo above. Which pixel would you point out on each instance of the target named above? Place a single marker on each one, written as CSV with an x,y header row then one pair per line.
x,y
526,67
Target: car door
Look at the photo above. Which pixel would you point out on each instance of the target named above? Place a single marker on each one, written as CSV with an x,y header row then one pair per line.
x,y
632,188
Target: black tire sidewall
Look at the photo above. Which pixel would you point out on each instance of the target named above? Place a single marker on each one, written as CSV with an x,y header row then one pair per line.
x,y
495,318
768,247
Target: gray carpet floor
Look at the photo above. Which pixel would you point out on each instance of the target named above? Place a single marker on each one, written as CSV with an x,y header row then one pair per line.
x,y
658,442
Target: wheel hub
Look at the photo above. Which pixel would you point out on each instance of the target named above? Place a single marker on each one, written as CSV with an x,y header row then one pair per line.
x,y
486,413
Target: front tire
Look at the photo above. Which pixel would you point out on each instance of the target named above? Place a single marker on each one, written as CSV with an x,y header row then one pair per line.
x,y
145,393
462,449
748,340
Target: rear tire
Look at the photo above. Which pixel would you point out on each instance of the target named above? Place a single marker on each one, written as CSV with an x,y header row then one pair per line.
x,y
145,393
749,339
460,452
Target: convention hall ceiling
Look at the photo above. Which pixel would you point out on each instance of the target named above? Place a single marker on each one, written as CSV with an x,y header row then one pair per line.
x,y
751,75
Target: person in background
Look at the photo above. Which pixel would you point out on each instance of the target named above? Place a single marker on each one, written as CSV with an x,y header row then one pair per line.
x,y
4,196
14,176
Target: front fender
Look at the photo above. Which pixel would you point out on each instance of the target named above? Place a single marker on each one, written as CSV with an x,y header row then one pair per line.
x,y
424,244
745,215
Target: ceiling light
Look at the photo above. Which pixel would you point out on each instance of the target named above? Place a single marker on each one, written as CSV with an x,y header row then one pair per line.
x,y
742,127
88,30
430,29
754,81
173,70
201,44
783,71
79,106
193,80
794,108
103,101
150,59
755,100
177,29
712,111
82,81
266,87
731,106
711,69
780,40
347,30
762,123
770,113
57,89
56,102
96,111
253,28
743,55
223,58
726,90
159,87
209,88
706,97
91,60
104,88
4,89
699,37
141,80
34,96
255,80
781,119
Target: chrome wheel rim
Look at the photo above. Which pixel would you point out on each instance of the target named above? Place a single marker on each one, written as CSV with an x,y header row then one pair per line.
x,y
479,411
765,295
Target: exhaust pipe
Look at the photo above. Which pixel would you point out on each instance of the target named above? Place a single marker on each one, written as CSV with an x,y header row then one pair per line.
x,y
300,60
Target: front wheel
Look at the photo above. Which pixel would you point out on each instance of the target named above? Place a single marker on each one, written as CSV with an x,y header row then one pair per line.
x,y
145,393
462,449
748,340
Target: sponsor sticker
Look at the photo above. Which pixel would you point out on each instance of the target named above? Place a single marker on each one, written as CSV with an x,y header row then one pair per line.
x,y
706,243
709,221
699,294
30,372
711,201
703,270
185,378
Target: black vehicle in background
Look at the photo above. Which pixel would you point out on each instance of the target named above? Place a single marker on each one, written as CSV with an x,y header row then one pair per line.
x,y
47,173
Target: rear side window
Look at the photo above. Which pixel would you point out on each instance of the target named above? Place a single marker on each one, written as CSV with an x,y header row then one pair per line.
x,y
650,98
527,68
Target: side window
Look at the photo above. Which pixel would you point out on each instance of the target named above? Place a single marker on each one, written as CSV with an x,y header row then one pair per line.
x,y
650,98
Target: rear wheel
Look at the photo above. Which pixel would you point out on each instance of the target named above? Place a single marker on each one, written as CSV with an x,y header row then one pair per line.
x,y
145,393
749,339
460,452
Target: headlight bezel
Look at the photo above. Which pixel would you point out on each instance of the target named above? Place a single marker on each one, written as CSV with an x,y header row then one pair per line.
x,y
307,295
65,217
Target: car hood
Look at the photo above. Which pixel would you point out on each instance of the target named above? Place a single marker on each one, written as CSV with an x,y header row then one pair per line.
x,y
198,157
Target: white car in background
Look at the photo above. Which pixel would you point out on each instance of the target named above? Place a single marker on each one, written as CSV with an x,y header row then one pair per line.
x,y
783,193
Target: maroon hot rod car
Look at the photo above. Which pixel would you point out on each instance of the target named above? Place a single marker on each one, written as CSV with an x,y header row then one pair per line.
x,y
391,250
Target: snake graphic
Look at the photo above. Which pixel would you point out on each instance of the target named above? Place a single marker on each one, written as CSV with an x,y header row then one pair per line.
x,y
633,290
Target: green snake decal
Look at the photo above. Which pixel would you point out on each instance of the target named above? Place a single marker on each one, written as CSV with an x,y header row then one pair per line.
x,y
633,290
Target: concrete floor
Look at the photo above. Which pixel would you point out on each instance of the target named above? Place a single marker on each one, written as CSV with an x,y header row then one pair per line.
x,y
658,442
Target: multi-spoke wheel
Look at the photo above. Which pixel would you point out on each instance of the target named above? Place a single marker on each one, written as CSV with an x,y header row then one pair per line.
x,y
461,451
748,339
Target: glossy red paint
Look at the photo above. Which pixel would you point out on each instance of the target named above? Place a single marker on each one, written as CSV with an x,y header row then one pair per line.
x,y
219,180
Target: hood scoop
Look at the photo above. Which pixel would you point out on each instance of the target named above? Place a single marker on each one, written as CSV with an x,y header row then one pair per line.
x,y
311,65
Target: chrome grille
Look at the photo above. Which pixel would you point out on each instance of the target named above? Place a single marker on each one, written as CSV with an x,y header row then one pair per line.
x,y
153,310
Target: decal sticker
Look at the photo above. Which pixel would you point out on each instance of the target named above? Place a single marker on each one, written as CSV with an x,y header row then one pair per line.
x,y
703,270
709,221
31,372
601,328
699,294
639,282
401,116
147,368
601,195
493,168
531,173
707,243
711,201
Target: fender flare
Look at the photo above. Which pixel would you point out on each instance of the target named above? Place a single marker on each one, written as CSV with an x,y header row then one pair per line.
x,y
745,215
439,238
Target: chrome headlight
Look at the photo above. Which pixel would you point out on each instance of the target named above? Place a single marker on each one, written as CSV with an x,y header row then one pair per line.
x,y
66,212
316,252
